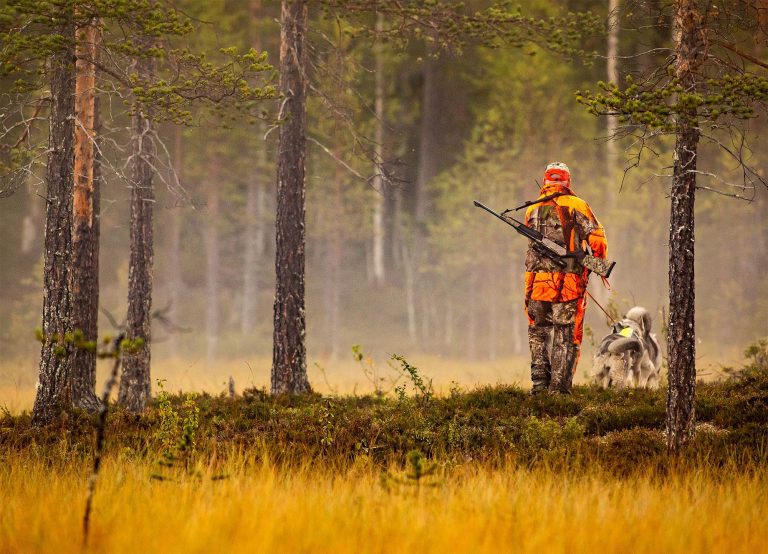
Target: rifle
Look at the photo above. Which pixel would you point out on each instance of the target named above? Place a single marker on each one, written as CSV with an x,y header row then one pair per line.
x,y
549,248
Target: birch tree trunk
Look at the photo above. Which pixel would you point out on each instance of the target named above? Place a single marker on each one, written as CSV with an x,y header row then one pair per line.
x,y
54,390
379,198
85,232
690,51
135,385
289,363
428,138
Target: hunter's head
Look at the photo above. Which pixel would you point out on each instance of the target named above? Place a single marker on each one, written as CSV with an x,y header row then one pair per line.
x,y
557,173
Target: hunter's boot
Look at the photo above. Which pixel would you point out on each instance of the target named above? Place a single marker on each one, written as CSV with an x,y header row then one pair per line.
x,y
541,372
563,359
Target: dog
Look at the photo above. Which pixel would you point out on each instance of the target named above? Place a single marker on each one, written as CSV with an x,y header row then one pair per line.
x,y
630,355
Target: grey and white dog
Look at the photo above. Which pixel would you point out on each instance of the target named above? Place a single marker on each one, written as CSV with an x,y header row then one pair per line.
x,y
630,356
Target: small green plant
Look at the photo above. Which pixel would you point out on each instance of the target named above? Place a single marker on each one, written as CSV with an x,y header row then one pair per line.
x,y
547,433
176,432
420,472
412,373
370,370
327,423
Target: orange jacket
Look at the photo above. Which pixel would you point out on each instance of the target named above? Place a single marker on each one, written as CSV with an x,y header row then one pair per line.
x,y
568,220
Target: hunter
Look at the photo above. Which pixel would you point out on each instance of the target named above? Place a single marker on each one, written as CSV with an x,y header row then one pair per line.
x,y
555,297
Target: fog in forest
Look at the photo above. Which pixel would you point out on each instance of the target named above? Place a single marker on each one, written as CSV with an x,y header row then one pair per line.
x,y
411,268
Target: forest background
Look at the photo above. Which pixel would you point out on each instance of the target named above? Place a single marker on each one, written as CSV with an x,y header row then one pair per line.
x,y
478,123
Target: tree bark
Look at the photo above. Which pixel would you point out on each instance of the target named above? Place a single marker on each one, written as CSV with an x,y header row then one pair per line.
x,y
54,389
690,51
135,385
289,364
85,232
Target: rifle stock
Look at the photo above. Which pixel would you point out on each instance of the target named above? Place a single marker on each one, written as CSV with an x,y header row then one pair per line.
x,y
600,266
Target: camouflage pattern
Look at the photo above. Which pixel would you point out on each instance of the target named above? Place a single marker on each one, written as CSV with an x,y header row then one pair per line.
x,y
545,220
548,218
600,266
555,296
553,350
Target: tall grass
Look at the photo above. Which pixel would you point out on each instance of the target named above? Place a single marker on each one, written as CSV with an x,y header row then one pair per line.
x,y
259,507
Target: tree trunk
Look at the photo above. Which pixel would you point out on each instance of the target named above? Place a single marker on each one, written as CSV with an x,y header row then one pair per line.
x,y
254,212
332,294
289,363
333,261
174,245
612,71
493,316
212,261
135,384
472,322
448,335
429,139
379,198
30,226
54,391
85,232
428,166
410,292
681,343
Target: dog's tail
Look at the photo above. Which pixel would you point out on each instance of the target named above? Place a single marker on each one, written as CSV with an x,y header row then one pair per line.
x,y
640,315
623,344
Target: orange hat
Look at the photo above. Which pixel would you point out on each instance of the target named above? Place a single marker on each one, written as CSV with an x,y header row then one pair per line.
x,y
557,172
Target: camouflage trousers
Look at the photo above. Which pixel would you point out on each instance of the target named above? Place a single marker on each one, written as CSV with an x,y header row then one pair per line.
x,y
551,337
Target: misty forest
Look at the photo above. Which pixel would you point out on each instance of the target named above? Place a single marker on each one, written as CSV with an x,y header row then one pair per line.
x,y
249,302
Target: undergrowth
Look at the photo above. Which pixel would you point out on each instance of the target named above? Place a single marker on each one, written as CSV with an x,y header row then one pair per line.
x,y
620,431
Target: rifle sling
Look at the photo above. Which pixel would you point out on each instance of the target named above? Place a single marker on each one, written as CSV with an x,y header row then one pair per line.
x,y
545,199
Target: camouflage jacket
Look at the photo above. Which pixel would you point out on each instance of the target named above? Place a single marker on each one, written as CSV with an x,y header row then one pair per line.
x,y
567,220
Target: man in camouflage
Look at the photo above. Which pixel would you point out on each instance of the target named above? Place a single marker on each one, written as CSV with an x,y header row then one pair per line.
x,y
555,297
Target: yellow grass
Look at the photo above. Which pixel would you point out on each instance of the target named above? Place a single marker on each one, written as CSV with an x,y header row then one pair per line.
x,y
18,377
343,376
259,508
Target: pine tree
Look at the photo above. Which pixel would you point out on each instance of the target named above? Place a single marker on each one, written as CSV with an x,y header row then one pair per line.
x,y
289,362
